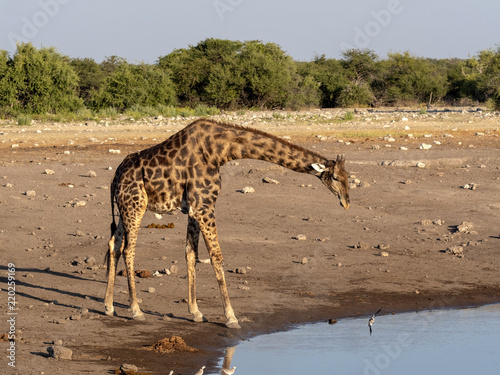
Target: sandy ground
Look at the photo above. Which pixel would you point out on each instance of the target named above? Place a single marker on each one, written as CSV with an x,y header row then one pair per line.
x,y
388,251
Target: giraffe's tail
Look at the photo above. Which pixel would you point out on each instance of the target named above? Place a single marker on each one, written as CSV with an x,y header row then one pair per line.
x,y
113,223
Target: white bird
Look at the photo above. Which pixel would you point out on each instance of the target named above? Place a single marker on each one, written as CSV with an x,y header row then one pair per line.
x,y
229,371
372,320
200,371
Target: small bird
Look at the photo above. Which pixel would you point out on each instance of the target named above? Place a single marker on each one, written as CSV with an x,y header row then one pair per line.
x,y
372,320
200,371
229,371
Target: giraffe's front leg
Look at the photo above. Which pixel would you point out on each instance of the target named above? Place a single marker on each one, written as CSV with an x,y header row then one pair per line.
x,y
209,230
193,235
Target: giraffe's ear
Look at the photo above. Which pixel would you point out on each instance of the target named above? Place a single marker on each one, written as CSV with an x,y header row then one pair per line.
x,y
318,167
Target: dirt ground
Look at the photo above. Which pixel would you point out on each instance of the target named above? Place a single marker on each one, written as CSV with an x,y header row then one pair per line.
x,y
389,250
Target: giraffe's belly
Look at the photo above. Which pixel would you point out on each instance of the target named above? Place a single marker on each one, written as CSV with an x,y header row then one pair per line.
x,y
163,208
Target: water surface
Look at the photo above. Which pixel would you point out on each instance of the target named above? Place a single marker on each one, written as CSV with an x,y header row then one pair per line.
x,y
458,341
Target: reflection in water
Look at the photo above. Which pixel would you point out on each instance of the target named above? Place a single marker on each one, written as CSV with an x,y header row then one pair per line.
x,y
461,341
226,364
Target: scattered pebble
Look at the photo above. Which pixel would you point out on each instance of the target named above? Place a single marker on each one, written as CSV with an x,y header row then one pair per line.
x,y
456,251
465,227
247,190
111,151
48,171
91,174
425,146
300,237
471,186
383,254
60,352
30,193
269,180
304,260
420,165
151,289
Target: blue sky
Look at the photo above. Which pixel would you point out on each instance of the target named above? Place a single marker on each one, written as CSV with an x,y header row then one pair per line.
x,y
144,30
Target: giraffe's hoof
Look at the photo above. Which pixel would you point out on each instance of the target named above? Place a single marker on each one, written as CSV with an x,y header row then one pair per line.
x,y
139,317
199,317
233,324
109,311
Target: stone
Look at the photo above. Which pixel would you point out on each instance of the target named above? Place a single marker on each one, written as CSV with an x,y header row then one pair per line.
x,y
420,165
91,174
143,274
128,368
241,271
470,186
269,180
30,193
384,254
383,247
151,289
425,146
48,171
465,227
60,352
90,261
174,269
248,190
111,151
300,237
362,246
456,251
304,260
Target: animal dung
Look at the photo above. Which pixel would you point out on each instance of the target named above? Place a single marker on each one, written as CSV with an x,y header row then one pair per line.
x,y
171,345
161,226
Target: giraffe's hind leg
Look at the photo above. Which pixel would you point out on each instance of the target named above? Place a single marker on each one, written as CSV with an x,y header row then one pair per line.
x,y
193,235
115,248
131,226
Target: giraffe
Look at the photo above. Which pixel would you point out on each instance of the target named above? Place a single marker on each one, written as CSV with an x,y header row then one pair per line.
x,y
183,173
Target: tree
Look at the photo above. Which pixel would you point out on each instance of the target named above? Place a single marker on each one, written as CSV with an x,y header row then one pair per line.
x,y
7,91
130,85
410,79
90,75
43,80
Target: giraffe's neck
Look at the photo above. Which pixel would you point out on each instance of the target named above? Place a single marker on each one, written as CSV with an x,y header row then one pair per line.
x,y
241,143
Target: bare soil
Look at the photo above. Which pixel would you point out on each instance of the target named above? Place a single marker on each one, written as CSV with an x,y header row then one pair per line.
x,y
389,250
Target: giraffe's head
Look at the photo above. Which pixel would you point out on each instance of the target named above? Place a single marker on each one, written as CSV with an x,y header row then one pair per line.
x,y
335,178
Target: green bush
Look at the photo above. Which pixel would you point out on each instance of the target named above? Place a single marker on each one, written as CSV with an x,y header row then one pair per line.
x,y
23,120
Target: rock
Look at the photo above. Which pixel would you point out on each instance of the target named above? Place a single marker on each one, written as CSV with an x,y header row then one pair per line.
x,y
471,186
247,190
402,148
79,233
241,271
420,165
151,289
300,237
128,368
332,321
91,174
304,260
383,254
60,352
174,269
90,261
111,151
456,251
465,227
362,246
269,180
425,146
143,274
383,247
30,193
48,171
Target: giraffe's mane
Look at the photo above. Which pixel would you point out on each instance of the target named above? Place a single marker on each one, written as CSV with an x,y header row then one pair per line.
x,y
259,132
